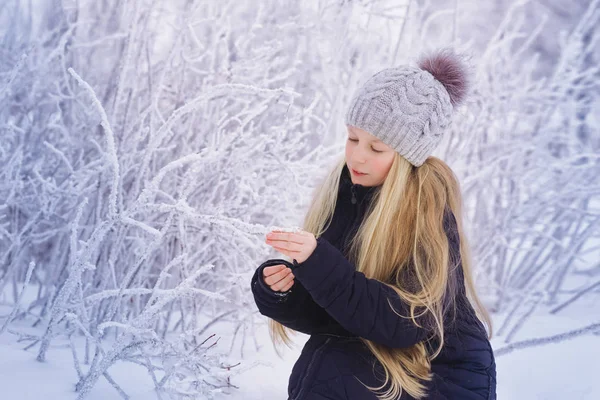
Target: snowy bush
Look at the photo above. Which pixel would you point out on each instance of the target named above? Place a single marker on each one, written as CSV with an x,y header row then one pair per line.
x,y
137,173
525,148
529,168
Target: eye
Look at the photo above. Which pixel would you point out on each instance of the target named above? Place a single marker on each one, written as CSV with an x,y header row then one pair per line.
x,y
356,140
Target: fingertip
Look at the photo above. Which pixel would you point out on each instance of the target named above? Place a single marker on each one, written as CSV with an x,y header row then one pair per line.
x,y
268,271
276,268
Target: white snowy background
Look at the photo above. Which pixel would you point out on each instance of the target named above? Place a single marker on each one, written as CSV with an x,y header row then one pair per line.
x,y
146,147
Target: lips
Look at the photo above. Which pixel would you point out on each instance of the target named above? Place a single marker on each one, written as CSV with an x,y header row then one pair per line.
x,y
357,173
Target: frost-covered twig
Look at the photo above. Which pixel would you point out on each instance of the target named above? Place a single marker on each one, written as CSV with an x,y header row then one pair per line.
x,y
18,302
546,340
110,144
580,293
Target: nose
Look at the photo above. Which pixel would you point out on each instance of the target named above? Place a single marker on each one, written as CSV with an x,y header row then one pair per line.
x,y
358,156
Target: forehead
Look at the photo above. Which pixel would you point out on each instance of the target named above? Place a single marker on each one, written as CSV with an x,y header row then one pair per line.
x,y
362,133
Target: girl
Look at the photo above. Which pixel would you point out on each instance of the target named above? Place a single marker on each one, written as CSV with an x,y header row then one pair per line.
x,y
381,275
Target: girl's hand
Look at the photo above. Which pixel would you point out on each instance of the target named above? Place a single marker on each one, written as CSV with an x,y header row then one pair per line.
x,y
298,245
278,277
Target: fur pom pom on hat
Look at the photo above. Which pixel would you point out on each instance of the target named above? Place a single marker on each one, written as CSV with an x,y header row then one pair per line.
x,y
409,108
448,69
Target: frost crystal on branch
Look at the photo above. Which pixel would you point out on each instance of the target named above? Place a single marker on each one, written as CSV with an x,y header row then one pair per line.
x,y
294,229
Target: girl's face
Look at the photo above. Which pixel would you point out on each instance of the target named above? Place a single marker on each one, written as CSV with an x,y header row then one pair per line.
x,y
367,154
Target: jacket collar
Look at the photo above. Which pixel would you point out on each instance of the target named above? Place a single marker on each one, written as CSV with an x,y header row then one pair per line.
x,y
355,191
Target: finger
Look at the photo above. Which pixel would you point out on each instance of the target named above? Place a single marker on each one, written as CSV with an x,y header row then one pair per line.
x,y
280,285
283,283
273,279
268,271
286,249
286,237
289,286
280,244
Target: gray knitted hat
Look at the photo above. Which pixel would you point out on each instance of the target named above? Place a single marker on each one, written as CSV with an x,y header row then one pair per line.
x,y
409,108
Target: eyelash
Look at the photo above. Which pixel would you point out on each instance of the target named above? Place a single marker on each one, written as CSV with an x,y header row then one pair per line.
x,y
356,140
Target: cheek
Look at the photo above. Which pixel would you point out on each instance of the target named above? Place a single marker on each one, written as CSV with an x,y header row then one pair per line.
x,y
348,149
379,167
382,166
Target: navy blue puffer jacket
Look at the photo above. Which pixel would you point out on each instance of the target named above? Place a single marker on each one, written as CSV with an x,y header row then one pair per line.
x,y
336,305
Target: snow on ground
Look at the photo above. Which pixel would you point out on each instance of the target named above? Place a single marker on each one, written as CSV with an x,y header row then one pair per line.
x,y
557,371
566,370
24,378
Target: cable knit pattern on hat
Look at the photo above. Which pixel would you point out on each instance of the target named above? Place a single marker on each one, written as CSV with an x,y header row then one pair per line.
x,y
406,107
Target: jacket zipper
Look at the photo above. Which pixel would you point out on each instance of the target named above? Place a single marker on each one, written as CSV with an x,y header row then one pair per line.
x,y
307,371
355,214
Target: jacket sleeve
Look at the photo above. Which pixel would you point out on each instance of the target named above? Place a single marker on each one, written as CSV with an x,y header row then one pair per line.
x,y
295,308
358,303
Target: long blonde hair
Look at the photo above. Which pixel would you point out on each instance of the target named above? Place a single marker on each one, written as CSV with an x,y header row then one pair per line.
x,y
402,236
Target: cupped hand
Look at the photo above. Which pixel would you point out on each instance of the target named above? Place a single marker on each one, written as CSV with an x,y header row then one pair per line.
x,y
278,277
297,245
